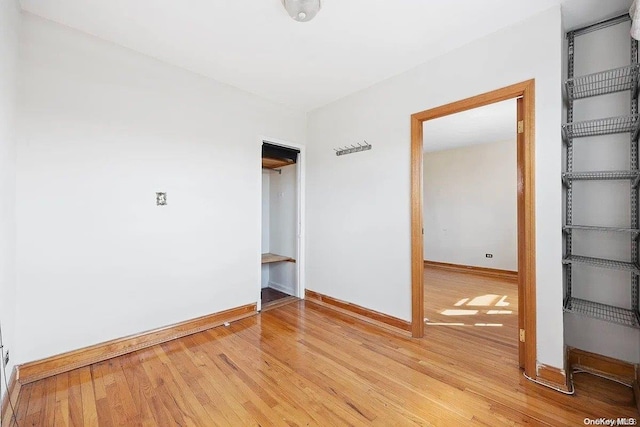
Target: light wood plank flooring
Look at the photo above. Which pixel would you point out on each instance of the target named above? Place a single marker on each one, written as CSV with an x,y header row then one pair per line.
x,y
303,364
474,304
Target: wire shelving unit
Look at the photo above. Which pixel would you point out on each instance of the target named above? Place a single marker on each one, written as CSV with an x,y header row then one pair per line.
x,y
580,87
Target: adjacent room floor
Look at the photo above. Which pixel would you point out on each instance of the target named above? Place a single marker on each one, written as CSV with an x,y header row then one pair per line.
x,y
486,307
303,364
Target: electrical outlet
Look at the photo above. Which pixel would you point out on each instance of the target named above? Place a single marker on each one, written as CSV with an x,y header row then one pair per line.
x,y
489,255
6,358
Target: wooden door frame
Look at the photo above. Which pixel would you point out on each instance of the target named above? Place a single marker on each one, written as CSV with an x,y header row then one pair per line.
x,y
526,209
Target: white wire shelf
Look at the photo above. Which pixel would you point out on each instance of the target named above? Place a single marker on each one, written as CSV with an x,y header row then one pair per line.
x,y
608,126
604,82
603,263
598,228
600,311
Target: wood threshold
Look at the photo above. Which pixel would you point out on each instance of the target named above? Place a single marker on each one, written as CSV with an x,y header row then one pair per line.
x,y
268,258
44,368
278,303
526,209
360,312
13,394
602,365
481,271
553,377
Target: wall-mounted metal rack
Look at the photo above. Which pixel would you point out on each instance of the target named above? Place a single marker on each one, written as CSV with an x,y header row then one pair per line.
x,y
352,149
587,86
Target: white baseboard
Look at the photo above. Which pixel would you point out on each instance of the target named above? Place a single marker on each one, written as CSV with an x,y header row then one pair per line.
x,y
282,288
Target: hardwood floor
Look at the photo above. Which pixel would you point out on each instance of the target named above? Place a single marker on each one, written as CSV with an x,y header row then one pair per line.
x,y
304,364
474,304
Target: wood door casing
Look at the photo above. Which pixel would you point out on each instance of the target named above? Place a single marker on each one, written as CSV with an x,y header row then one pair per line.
x,y
525,92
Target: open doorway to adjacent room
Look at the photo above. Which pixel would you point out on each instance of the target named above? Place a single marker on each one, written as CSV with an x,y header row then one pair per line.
x,y
471,224
487,303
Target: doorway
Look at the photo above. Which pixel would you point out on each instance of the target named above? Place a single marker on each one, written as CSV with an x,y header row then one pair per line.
x,y
524,93
281,221
470,223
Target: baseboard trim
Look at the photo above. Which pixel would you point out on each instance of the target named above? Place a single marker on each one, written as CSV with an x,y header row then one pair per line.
x,y
44,368
553,377
602,365
636,387
12,394
282,288
358,311
481,271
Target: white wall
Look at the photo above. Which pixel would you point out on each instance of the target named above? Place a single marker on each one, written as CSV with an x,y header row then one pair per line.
x,y
9,35
470,205
103,128
359,205
602,203
283,219
265,225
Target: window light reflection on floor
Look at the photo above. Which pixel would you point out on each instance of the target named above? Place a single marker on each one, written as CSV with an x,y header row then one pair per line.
x,y
443,324
483,300
452,312
502,302
494,303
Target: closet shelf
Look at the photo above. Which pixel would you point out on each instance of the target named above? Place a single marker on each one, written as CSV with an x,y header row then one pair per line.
x,y
598,228
603,263
596,127
604,82
268,258
269,163
600,311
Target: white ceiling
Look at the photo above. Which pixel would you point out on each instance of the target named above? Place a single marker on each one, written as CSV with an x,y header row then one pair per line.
x,y
255,46
491,123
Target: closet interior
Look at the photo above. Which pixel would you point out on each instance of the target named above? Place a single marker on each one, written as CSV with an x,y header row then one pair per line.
x,y
279,223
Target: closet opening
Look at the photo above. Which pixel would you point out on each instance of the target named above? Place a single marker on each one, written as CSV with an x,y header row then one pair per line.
x,y
280,225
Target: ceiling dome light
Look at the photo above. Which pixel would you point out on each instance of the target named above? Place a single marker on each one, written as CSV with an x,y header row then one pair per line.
x,y
302,10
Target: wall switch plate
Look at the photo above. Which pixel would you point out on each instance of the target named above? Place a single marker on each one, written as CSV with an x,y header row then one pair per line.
x,y
489,255
161,199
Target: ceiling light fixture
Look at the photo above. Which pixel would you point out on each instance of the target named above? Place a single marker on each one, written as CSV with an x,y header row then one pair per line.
x,y
302,10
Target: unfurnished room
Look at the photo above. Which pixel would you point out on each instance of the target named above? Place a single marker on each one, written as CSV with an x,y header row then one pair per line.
x,y
319,212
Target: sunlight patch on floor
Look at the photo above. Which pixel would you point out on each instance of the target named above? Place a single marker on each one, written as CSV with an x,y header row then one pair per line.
x,y
452,312
483,300
443,324
502,302
494,306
